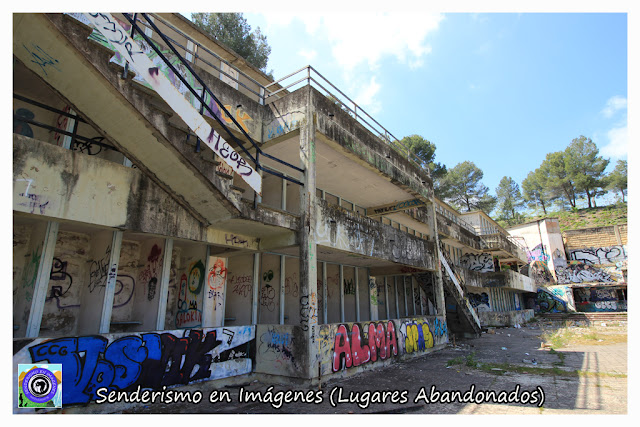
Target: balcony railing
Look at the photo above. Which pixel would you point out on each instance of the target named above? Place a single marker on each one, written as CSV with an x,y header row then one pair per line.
x,y
452,217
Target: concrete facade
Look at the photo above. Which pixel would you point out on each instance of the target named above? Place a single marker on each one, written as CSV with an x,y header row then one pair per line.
x,y
131,235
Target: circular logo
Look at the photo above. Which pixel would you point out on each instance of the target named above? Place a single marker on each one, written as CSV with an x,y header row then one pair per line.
x,y
39,385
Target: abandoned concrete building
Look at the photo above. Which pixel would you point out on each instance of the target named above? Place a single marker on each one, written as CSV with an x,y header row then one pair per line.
x,y
179,217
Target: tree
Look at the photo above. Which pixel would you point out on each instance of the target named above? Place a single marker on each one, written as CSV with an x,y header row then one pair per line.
x,y
559,183
509,197
585,168
617,180
535,191
425,151
233,30
463,188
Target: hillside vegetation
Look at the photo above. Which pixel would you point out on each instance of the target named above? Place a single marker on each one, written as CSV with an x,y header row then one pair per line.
x,y
581,218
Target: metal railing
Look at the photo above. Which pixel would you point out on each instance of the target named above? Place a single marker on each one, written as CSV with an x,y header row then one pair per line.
x,y
310,76
454,218
78,142
201,97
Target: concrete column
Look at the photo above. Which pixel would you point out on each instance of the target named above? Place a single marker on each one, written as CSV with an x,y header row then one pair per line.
x,y
419,295
164,284
386,297
110,287
325,301
42,280
355,278
373,297
308,250
256,288
438,291
395,290
404,293
413,296
283,199
341,278
282,288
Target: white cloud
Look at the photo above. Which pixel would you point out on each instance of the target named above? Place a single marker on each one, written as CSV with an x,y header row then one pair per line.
x,y
365,38
366,96
308,54
617,146
614,104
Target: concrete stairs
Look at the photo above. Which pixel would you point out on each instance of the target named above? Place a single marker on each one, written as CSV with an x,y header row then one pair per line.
x,y
587,317
130,116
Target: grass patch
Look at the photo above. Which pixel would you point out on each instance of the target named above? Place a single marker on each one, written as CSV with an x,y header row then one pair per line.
x,y
455,361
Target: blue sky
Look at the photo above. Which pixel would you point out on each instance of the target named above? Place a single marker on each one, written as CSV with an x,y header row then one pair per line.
x,y
499,89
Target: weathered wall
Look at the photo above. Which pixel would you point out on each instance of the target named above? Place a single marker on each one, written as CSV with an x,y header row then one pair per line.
x,y
505,318
596,299
481,263
347,348
595,237
280,350
155,359
348,231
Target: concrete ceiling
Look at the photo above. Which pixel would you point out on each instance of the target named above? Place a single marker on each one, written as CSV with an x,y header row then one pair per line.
x,y
339,175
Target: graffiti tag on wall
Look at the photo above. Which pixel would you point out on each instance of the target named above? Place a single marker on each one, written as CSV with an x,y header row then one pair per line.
x,y
150,360
599,256
350,349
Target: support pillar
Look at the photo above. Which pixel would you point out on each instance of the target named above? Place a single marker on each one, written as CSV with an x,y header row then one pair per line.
x,y
282,288
308,250
373,297
395,291
355,278
256,288
386,297
110,287
42,280
341,278
164,284
438,291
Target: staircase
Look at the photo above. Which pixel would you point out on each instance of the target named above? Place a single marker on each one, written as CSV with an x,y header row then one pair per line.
x,y
463,320
142,123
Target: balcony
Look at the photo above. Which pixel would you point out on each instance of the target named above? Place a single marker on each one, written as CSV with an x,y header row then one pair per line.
x,y
493,241
509,279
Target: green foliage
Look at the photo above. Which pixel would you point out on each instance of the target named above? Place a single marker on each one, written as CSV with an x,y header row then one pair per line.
x,y
585,168
534,190
233,30
426,152
509,197
617,180
461,187
559,183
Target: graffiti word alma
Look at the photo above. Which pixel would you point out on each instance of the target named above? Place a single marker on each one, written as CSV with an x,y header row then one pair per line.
x,y
350,349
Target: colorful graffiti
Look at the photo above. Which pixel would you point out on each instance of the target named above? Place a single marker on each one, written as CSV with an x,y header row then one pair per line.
x,y
20,126
276,347
189,315
577,272
599,256
482,263
149,360
349,348
546,302
479,301
538,253
151,271
539,272
216,280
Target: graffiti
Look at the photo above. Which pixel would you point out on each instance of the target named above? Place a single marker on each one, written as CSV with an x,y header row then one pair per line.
x,y
558,259
606,305
309,313
121,297
268,292
155,75
349,287
149,360
241,116
539,253
548,303
349,348
98,271
61,123
242,285
41,58
277,346
599,256
30,274
439,328
577,272
20,126
152,271
380,294
282,125
539,272
291,285
35,201
417,336
232,239
88,147
216,281
482,263
188,315
59,274
479,301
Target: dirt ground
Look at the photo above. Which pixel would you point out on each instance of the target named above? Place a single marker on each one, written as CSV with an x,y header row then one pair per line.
x,y
540,368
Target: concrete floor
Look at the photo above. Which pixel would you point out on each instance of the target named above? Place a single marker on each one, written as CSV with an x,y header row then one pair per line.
x,y
602,390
